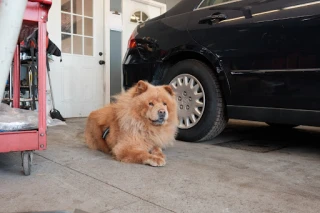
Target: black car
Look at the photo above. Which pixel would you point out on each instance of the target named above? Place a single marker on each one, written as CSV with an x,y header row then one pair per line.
x,y
254,60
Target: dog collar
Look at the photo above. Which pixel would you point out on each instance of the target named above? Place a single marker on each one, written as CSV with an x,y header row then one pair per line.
x,y
105,133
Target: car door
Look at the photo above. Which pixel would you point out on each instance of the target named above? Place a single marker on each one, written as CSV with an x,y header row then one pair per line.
x,y
257,42
301,73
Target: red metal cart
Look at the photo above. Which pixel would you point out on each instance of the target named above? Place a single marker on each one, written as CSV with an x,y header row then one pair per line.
x,y
35,16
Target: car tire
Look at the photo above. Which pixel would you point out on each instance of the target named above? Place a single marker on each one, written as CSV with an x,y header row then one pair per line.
x,y
282,126
190,80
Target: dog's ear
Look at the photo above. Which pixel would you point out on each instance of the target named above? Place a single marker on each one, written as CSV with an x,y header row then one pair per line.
x,y
141,87
169,89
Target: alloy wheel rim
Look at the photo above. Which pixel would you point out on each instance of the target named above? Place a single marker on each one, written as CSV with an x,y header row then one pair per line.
x,y
190,98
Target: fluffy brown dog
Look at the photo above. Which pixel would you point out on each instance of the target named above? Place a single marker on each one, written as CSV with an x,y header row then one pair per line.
x,y
141,122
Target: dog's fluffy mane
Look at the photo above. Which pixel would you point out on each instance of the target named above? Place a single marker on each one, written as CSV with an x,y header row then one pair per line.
x,y
130,121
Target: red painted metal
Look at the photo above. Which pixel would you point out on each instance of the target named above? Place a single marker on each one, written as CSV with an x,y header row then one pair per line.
x,y
16,78
18,141
42,85
35,12
47,2
36,15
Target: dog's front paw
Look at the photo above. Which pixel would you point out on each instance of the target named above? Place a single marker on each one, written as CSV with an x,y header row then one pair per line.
x,y
158,152
155,161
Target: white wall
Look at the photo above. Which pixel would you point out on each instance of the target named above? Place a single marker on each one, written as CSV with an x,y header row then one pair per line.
x,y
169,3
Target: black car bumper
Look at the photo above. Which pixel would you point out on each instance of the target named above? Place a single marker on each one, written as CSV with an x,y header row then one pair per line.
x,y
132,73
134,69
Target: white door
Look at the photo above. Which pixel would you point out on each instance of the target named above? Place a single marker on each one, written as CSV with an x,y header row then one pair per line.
x,y
81,78
136,12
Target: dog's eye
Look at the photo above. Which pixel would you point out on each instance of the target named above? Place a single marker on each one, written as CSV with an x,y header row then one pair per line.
x,y
165,104
150,104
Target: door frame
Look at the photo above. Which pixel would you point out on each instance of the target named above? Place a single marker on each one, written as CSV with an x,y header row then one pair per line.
x,y
106,69
163,9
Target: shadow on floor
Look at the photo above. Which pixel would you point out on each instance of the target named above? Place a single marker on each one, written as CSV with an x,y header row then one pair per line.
x,y
259,137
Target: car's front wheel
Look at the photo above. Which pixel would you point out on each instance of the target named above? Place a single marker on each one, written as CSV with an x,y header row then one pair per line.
x,y
201,108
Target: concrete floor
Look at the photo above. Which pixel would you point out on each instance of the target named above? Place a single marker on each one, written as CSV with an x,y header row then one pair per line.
x,y
248,168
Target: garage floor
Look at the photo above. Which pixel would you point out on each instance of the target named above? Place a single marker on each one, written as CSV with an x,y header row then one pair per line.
x,y
248,168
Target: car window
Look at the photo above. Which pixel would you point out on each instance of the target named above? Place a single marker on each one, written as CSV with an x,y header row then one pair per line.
x,y
206,3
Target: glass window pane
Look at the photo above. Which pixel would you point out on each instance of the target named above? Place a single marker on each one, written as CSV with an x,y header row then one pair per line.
x,y
77,7
77,45
88,27
88,8
66,43
65,23
144,17
135,17
66,5
213,2
206,3
77,25
138,13
88,46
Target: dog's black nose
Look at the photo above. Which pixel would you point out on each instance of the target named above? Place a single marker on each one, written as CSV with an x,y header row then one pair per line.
x,y
161,113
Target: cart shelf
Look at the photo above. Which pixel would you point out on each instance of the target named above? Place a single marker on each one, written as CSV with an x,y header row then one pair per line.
x,y
35,16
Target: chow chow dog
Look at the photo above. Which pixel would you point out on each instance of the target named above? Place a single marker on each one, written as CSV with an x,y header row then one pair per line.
x,y
135,127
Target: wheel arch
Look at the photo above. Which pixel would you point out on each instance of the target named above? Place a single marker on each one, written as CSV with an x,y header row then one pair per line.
x,y
214,115
208,59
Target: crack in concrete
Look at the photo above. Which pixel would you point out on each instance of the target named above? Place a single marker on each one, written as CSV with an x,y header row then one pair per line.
x,y
104,183
120,207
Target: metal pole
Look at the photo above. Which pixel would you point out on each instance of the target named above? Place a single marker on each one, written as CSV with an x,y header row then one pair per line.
x,y
16,78
10,84
42,85
11,17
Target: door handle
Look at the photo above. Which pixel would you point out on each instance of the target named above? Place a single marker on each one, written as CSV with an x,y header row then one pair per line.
x,y
214,18
101,62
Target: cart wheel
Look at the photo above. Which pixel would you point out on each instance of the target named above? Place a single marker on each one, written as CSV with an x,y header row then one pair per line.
x,y
27,158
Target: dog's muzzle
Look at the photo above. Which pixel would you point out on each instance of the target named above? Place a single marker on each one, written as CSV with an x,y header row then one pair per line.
x,y
161,118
